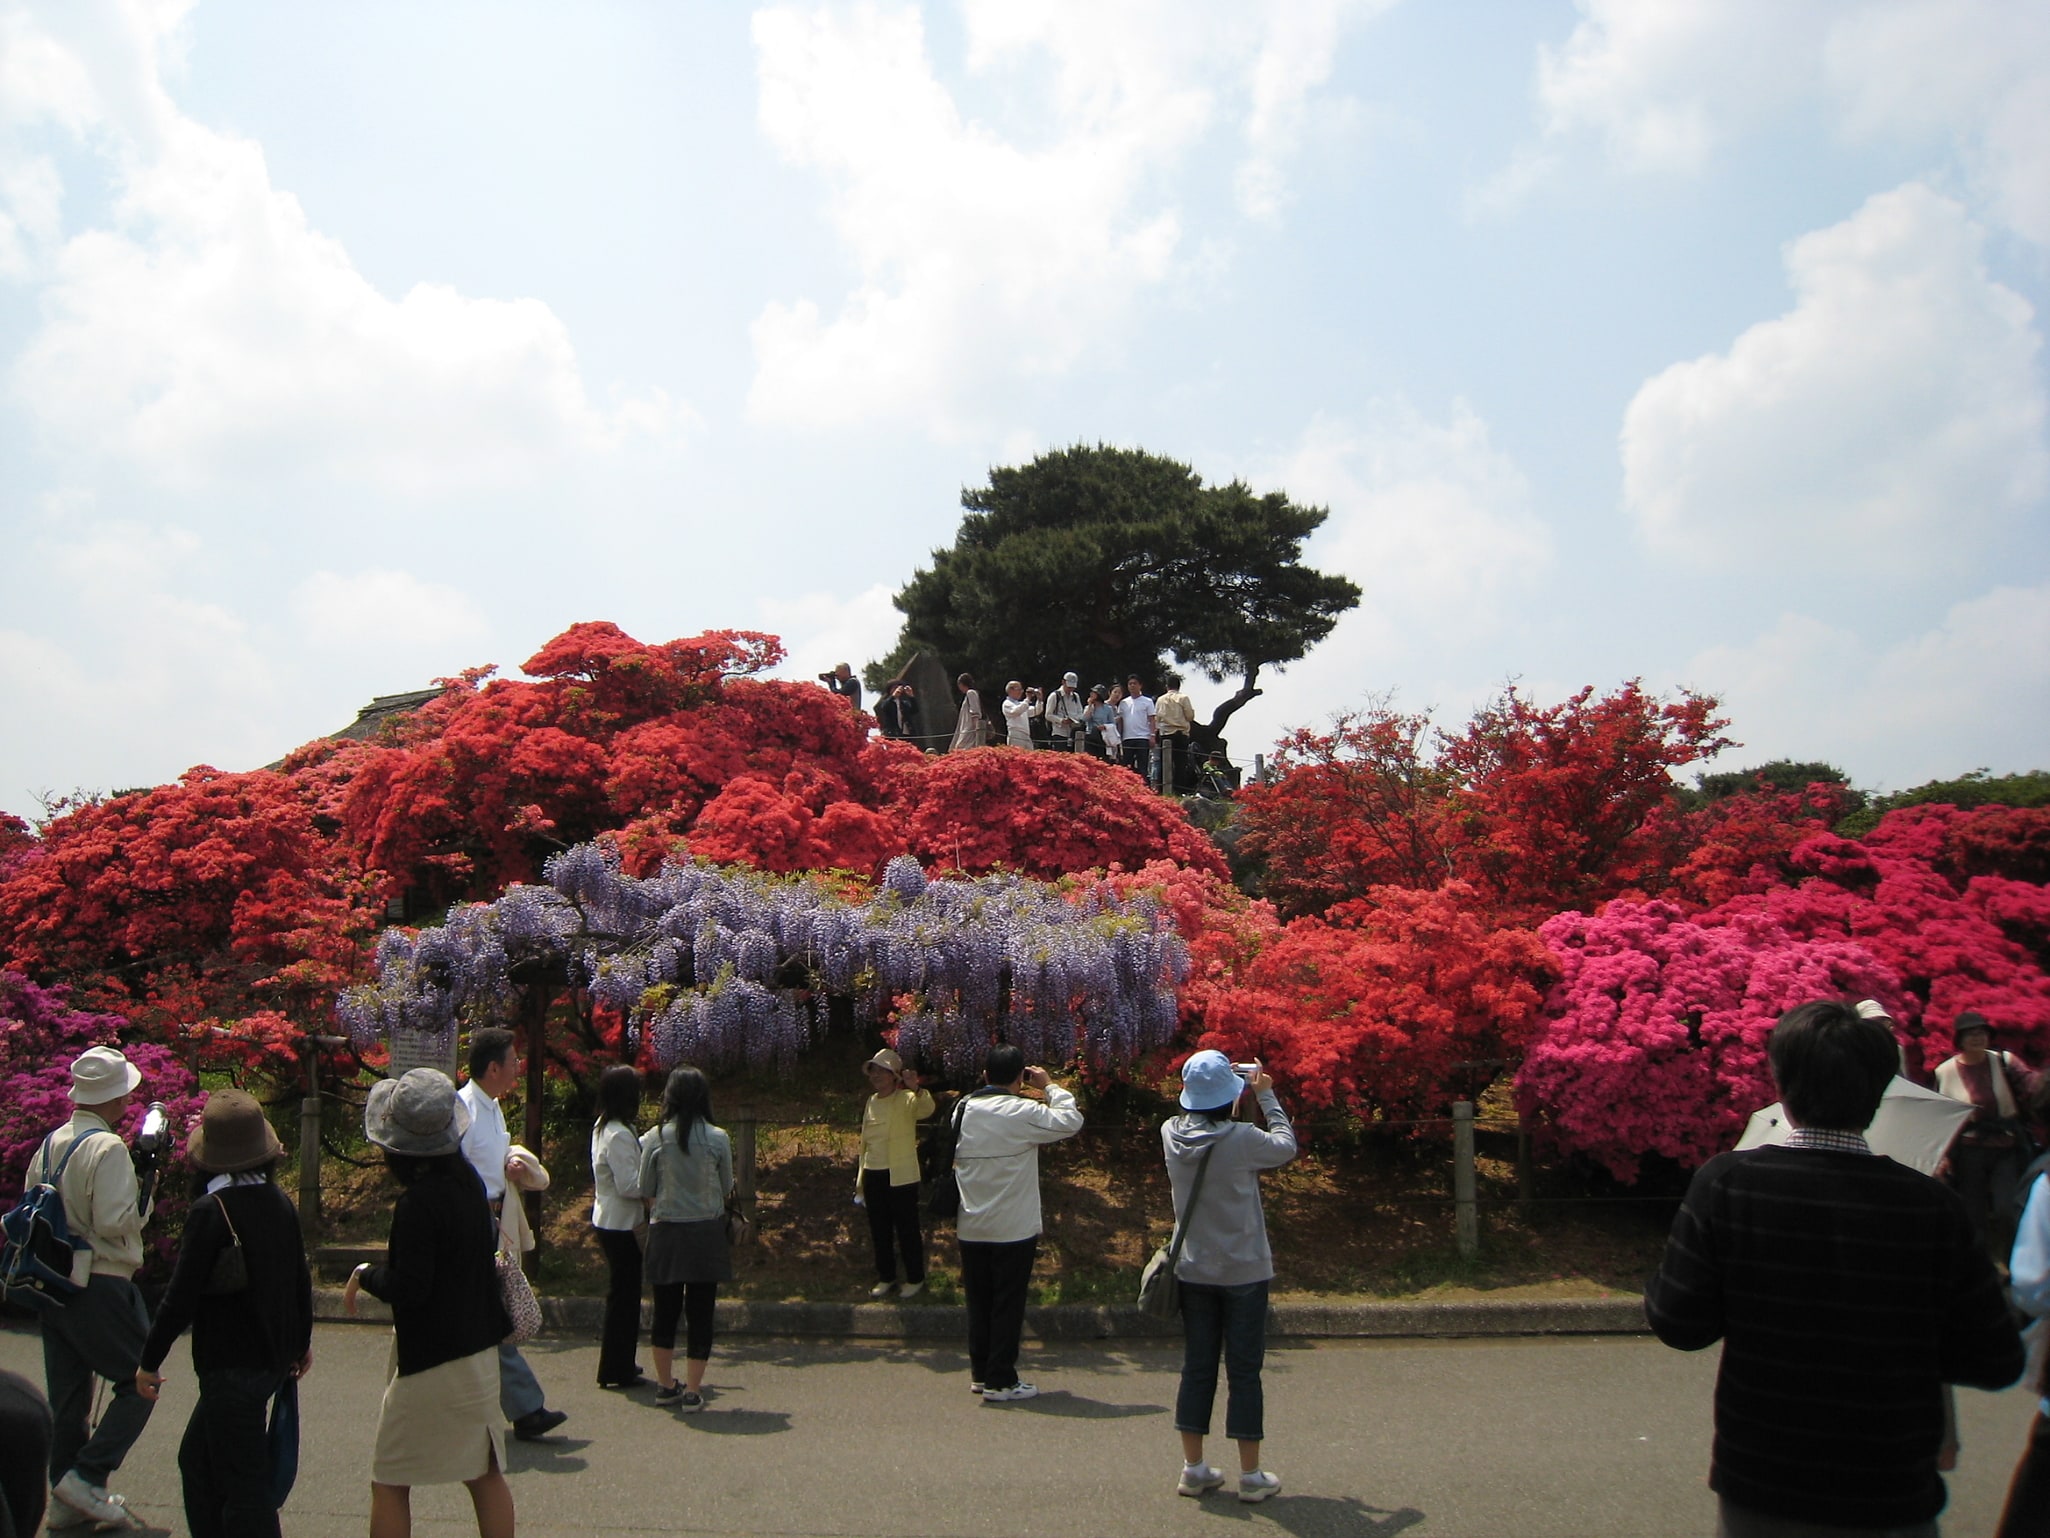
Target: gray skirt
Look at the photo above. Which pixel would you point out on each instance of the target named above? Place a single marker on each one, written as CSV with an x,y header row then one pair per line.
x,y
688,1252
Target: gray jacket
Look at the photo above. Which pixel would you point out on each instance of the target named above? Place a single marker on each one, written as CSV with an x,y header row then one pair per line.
x,y
686,1185
1226,1241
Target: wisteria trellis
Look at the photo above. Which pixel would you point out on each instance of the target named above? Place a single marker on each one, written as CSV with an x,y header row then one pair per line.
x,y
725,967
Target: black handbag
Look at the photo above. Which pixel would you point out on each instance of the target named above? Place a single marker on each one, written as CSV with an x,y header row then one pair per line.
x,y
230,1273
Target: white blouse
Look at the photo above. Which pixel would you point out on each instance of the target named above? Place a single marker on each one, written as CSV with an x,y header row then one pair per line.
x,y
615,1176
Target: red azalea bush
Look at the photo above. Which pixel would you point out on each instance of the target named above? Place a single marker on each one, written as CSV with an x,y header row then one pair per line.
x,y
40,1034
1380,1007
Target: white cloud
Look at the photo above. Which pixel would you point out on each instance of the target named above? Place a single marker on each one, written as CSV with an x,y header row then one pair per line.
x,y
1436,526
380,609
1973,691
1890,424
1665,86
982,252
143,676
210,333
821,630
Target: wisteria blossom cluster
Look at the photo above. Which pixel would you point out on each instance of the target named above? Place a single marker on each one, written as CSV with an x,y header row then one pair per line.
x,y
725,967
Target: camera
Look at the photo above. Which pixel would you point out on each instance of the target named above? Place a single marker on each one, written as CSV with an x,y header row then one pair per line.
x,y
1245,1070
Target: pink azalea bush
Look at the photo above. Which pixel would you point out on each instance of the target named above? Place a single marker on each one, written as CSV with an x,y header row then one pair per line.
x,y
39,1036
1654,1037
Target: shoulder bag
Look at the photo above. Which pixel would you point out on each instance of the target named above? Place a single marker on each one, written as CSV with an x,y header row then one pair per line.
x,y
515,1291
1160,1290
230,1273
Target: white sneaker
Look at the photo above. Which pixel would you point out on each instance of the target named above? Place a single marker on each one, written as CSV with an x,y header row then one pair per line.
x,y
1258,1485
1007,1395
976,1388
882,1289
1199,1479
60,1516
92,1502
910,1289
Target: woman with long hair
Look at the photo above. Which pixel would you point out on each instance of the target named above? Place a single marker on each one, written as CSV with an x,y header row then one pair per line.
x,y
1225,1266
439,1421
615,1214
251,1321
686,1179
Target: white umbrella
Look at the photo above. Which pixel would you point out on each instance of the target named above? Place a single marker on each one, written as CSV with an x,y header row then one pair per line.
x,y
1914,1125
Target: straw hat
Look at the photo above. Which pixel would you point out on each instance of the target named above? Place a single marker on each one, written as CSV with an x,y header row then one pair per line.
x,y
233,1135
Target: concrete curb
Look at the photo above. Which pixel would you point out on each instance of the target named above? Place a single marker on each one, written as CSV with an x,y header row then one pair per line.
x,y
1336,1320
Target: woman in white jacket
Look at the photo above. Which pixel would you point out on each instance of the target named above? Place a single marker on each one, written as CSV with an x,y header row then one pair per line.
x,y
1214,1164
615,1214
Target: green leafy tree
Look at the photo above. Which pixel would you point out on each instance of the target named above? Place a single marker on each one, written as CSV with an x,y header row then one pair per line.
x,y
1108,561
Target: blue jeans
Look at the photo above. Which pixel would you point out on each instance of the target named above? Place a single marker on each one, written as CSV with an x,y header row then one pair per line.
x,y
1232,1320
519,1391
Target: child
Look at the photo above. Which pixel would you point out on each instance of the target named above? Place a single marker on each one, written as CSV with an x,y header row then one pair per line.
x,y
887,1180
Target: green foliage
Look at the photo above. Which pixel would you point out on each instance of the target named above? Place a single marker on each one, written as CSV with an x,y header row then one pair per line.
x,y
1108,561
1977,788
1781,776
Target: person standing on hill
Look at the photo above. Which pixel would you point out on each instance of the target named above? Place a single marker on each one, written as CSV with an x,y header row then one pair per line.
x,y
1136,728
996,1165
886,1183
971,727
487,1144
1174,717
1846,1290
1066,712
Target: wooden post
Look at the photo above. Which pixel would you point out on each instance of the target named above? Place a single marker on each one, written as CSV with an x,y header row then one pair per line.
x,y
1467,1219
744,1159
309,1164
1524,1175
537,1080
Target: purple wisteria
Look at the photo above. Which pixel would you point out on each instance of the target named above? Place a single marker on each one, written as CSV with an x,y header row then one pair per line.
x,y
727,967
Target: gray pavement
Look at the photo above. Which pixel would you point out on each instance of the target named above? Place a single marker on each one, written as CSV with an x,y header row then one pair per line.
x,y
1592,1437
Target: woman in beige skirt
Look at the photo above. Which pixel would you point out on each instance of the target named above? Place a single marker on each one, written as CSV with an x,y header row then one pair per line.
x,y
439,1421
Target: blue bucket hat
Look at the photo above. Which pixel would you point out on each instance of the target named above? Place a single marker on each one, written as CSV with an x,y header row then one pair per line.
x,y
1209,1081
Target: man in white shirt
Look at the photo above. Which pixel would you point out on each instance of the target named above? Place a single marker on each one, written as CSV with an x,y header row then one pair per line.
x,y
1135,727
99,1333
996,1165
1065,711
494,1070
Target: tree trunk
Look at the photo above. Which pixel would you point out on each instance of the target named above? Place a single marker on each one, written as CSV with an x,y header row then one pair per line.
x,y
1209,732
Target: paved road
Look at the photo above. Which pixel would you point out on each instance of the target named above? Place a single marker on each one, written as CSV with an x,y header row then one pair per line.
x,y
1579,1438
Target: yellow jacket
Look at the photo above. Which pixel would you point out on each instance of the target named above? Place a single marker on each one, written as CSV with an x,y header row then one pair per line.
x,y
889,1135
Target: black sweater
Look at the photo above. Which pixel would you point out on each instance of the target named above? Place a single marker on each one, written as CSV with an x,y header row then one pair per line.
x,y
438,1275
1846,1289
269,1324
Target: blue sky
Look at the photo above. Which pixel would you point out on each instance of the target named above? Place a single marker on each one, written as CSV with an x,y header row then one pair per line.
x,y
345,347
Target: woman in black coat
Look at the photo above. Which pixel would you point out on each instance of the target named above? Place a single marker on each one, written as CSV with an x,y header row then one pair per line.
x,y
242,1287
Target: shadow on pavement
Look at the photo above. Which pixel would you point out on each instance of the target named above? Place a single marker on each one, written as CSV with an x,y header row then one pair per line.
x,y
738,1423
555,1455
1320,1516
1060,1402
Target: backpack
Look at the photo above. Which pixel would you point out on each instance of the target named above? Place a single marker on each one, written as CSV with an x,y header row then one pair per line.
x,y
36,1247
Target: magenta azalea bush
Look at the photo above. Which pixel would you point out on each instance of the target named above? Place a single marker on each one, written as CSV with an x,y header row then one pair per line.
x,y
39,1036
1654,1038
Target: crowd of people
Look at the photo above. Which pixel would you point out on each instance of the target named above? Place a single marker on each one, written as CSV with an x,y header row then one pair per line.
x,y
1847,1290
1154,738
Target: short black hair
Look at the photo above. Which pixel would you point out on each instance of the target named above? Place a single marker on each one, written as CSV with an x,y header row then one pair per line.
x,y
619,1094
488,1048
1832,1065
1004,1065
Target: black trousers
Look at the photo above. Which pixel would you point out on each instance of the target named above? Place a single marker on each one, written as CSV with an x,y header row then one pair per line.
x,y
24,1455
622,1325
98,1334
695,1303
893,1226
996,1278
2028,1498
224,1459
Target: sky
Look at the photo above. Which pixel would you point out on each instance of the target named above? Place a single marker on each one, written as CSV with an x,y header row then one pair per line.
x,y
1694,341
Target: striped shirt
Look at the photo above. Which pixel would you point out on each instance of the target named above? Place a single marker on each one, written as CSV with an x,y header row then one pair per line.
x,y
1846,1290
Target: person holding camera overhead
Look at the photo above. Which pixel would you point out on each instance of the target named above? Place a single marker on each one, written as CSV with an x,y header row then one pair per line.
x,y
1214,1164
1020,706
